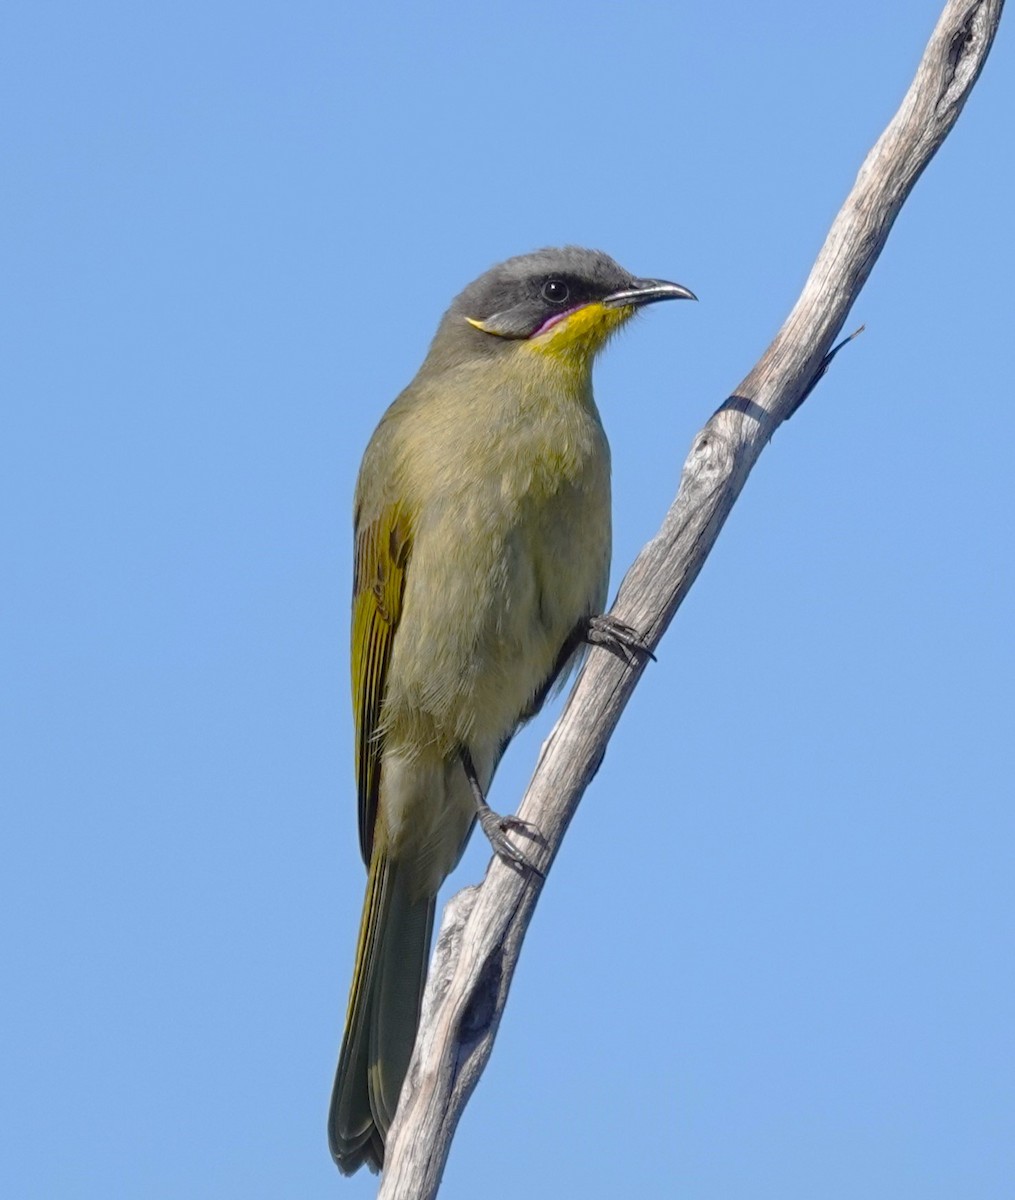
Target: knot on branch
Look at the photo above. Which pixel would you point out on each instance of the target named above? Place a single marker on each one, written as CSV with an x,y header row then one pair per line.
x,y
714,450
961,41
964,58
481,1008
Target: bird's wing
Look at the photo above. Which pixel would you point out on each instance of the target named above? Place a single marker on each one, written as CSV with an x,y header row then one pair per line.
x,y
382,555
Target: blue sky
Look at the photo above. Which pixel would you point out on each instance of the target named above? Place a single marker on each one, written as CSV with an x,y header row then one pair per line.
x,y
775,955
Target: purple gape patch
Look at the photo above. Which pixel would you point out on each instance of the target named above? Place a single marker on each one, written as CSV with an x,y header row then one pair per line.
x,y
555,320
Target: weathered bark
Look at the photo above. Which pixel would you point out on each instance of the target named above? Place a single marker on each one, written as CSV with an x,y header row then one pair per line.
x,y
483,926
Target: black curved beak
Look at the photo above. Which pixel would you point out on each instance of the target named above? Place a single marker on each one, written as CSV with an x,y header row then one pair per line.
x,y
648,291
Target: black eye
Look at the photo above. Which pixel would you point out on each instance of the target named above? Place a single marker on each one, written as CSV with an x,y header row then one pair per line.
x,y
555,291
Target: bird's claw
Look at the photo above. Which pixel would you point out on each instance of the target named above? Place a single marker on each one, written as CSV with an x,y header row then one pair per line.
x,y
618,637
512,824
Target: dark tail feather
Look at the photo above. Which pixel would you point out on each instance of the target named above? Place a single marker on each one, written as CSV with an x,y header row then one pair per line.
x,y
380,1027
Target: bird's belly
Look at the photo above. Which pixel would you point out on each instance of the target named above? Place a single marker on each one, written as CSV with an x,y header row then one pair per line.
x,y
491,598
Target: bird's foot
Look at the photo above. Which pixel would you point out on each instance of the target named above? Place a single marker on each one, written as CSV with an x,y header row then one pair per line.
x,y
497,828
617,636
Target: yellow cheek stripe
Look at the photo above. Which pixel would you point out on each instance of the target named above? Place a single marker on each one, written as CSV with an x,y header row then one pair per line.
x,y
580,334
481,327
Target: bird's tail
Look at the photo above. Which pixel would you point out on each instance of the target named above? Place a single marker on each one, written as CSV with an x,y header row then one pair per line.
x,y
380,1026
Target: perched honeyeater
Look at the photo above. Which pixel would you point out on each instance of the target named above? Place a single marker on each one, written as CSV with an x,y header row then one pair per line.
x,y
482,530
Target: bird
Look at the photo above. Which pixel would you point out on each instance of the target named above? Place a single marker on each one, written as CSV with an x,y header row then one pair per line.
x,y
482,551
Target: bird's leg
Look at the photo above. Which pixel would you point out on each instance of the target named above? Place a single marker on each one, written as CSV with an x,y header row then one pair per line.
x,y
497,827
616,636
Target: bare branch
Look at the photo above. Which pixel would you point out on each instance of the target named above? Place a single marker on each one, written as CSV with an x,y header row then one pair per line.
x,y
483,926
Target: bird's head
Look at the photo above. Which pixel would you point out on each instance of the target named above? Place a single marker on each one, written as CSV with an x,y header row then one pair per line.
x,y
560,303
